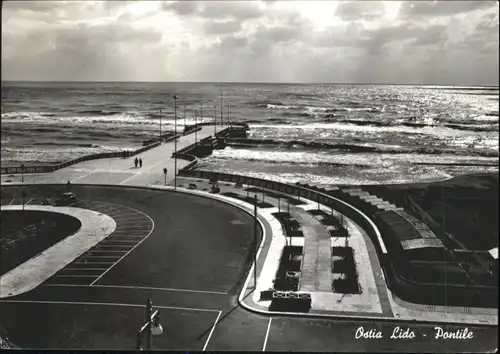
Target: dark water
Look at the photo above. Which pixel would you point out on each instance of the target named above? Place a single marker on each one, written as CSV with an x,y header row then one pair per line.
x,y
369,133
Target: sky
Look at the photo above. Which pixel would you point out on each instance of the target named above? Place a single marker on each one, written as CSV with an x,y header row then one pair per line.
x,y
421,42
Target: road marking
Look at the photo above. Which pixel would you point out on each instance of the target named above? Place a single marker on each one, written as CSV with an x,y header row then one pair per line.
x,y
142,288
118,245
83,269
107,304
267,335
142,171
212,331
133,248
128,221
106,251
124,241
75,276
93,262
83,176
134,226
29,201
12,201
89,256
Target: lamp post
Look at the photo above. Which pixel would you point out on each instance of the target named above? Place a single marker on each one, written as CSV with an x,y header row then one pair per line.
x,y
255,242
23,196
184,112
201,112
227,118
195,126
175,141
160,124
215,120
152,326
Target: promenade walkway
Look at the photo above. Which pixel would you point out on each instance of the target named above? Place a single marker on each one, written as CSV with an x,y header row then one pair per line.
x,y
121,170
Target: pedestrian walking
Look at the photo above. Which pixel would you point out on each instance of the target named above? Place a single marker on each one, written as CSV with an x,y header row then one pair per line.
x,y
136,162
140,162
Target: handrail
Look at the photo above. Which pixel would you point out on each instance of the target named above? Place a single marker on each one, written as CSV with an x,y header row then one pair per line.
x,y
103,155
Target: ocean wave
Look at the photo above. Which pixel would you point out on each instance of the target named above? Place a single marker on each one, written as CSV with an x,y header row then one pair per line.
x,y
362,148
99,112
84,145
488,117
325,159
360,127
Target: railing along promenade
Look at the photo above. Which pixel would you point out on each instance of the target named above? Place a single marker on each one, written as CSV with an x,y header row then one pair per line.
x,y
104,155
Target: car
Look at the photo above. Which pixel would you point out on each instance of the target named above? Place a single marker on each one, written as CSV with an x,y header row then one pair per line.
x,y
66,198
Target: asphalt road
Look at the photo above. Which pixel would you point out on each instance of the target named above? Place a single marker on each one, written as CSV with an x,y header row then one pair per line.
x,y
191,258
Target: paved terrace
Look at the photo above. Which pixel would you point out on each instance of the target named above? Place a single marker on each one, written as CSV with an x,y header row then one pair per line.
x,y
121,170
374,301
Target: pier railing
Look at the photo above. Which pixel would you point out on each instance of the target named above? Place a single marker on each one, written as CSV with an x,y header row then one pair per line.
x,y
104,155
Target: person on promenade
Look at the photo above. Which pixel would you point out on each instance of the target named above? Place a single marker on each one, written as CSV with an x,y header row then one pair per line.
x,y
140,162
136,161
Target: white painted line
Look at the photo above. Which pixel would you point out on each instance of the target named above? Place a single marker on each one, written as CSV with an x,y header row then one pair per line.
x,y
212,331
128,216
75,276
83,176
125,214
134,227
93,262
124,238
135,223
88,257
83,269
144,288
133,248
105,251
12,201
118,245
29,201
108,304
124,241
267,335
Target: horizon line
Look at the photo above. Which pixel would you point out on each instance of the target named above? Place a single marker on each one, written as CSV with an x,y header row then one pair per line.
x,y
255,83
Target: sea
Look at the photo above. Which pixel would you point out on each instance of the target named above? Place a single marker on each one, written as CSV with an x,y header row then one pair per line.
x,y
314,133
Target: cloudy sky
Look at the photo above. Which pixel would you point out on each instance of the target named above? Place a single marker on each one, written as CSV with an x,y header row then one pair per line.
x,y
424,42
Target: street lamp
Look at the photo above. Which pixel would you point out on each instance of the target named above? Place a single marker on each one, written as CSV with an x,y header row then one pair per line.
x,y
227,118
152,326
160,125
215,120
201,112
195,127
175,141
255,241
184,112
23,196
221,107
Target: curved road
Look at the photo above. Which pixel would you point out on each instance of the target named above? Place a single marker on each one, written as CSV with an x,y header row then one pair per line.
x,y
193,265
